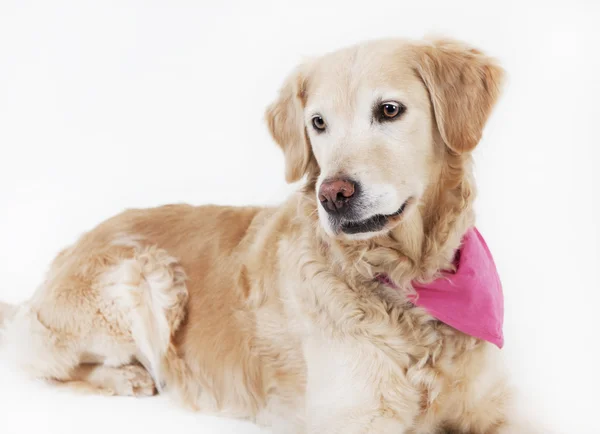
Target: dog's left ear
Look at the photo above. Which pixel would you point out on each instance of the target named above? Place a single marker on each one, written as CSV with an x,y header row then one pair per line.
x,y
463,85
285,118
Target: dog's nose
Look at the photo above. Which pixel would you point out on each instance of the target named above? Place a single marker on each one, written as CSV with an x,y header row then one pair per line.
x,y
335,194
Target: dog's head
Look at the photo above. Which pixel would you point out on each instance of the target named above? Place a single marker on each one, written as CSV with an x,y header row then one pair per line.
x,y
372,122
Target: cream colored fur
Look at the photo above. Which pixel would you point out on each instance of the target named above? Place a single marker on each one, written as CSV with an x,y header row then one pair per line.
x,y
268,313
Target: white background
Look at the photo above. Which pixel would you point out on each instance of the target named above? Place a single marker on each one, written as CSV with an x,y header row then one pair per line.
x,y
110,105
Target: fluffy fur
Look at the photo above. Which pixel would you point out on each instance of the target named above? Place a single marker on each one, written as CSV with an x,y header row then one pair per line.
x,y
269,313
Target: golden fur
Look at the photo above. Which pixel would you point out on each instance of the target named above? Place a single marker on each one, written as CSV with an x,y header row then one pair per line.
x,y
262,313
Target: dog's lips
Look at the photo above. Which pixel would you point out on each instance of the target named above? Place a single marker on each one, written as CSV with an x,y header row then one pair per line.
x,y
372,224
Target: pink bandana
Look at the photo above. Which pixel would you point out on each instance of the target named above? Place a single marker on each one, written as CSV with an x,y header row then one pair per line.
x,y
469,299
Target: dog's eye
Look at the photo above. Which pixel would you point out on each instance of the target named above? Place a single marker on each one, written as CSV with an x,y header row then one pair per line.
x,y
319,123
390,110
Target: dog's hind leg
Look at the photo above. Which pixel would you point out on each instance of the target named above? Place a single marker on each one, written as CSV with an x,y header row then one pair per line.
x,y
98,315
128,380
51,355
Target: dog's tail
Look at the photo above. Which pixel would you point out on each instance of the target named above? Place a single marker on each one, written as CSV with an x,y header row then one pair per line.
x,y
7,311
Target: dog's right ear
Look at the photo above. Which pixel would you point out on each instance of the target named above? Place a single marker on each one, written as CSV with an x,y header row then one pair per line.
x,y
285,118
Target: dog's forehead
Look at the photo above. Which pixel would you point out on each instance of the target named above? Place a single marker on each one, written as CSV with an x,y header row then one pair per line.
x,y
338,78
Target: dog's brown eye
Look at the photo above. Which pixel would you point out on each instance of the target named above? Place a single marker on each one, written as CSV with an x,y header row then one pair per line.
x,y
388,111
318,123
391,109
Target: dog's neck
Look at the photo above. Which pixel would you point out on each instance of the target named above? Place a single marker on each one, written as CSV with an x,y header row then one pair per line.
x,y
446,214
425,242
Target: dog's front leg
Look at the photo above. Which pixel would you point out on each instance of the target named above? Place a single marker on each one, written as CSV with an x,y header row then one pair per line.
x,y
353,389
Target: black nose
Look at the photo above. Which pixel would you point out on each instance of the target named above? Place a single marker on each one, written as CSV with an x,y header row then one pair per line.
x,y
336,194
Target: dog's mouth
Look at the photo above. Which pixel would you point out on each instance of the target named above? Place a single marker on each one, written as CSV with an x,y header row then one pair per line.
x,y
373,224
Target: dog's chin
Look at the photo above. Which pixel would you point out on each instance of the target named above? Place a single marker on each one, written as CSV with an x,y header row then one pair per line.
x,y
367,228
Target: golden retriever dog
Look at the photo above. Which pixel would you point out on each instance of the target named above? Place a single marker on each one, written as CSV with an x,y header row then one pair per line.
x,y
277,314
